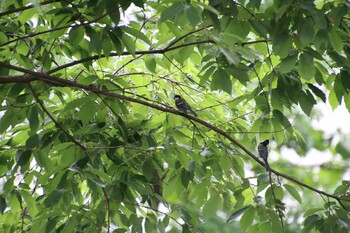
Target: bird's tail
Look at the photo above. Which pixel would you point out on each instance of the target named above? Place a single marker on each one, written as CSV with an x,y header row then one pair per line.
x,y
267,166
194,113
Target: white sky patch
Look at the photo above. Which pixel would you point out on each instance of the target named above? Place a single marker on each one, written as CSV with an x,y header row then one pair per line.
x,y
332,121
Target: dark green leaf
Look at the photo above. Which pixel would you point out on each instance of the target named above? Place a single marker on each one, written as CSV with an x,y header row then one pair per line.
x,y
288,63
306,67
306,101
307,31
231,57
53,198
238,213
317,92
282,44
148,169
23,157
76,35
221,81
336,40
33,119
185,177
171,12
345,79
2,204
32,142
115,37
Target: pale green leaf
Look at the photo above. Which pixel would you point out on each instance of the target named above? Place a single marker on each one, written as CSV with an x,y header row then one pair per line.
x,y
293,192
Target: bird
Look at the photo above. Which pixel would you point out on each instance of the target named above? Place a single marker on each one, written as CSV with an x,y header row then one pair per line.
x,y
182,105
264,153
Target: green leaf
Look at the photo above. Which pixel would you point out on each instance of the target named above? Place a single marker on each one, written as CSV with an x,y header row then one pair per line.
x,y
6,120
185,177
107,47
113,14
29,200
336,40
32,142
148,169
53,198
212,205
136,33
338,88
15,202
76,35
43,160
288,63
192,15
87,111
345,79
2,204
115,37
307,32
225,163
317,92
343,149
306,67
231,57
306,101
238,213
151,64
333,100
33,119
247,218
312,211
129,43
293,192
207,74
282,44
171,12
23,157
221,81
22,48
260,29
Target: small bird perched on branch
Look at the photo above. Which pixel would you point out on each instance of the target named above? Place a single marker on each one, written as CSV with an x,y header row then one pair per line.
x,y
264,153
182,105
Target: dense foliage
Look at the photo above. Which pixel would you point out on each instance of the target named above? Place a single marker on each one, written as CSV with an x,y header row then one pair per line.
x,y
91,140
